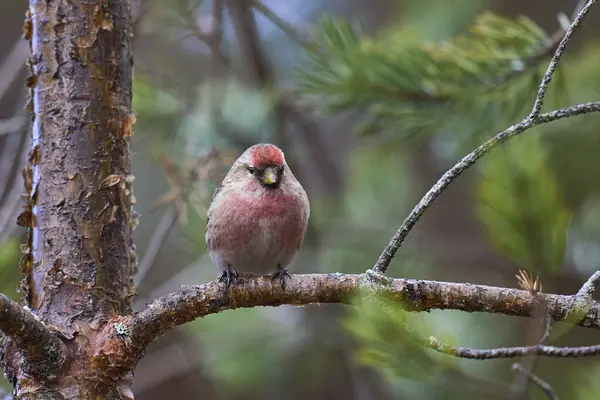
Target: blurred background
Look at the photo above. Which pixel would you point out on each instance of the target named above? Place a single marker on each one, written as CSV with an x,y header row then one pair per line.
x,y
371,101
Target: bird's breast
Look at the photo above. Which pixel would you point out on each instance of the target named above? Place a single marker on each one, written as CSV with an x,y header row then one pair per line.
x,y
259,228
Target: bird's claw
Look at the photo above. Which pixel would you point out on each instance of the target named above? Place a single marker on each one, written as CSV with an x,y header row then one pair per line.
x,y
281,274
228,276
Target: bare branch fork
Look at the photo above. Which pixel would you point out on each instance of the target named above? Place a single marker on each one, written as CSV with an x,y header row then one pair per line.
x,y
533,119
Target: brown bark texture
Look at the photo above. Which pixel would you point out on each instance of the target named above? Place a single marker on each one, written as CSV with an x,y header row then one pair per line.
x,y
78,260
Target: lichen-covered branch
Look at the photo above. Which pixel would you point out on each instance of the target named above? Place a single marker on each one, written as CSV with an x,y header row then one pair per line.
x,y
512,352
44,353
589,287
533,119
192,302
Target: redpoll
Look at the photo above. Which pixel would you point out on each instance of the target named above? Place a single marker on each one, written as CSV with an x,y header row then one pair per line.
x,y
258,216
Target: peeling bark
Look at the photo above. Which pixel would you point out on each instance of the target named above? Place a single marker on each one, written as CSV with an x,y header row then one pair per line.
x,y
77,263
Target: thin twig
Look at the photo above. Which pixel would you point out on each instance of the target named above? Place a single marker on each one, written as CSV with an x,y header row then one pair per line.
x,y
548,48
536,380
520,384
215,84
159,237
533,119
512,352
258,69
12,65
170,217
547,329
10,155
291,32
465,163
539,100
308,133
256,65
11,125
44,352
208,37
12,199
216,37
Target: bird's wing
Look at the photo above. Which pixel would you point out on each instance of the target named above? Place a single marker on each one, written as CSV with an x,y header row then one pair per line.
x,y
217,191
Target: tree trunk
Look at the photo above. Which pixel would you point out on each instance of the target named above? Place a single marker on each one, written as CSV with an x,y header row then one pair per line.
x,y
79,258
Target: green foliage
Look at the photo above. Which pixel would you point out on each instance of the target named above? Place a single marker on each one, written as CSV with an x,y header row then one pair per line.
x,y
402,80
172,16
388,339
226,109
587,383
585,236
158,113
245,348
520,205
9,278
9,259
424,16
375,202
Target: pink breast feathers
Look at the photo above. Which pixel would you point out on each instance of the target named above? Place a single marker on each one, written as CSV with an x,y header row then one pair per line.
x,y
276,225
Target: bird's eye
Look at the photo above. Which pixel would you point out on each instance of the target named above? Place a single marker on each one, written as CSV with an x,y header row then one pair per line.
x,y
251,170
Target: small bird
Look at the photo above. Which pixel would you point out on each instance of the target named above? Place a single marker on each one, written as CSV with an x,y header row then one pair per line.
x,y
258,216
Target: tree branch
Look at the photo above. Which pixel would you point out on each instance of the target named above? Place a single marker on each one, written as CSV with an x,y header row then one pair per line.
x,y
292,33
512,352
191,302
11,125
539,100
158,239
536,380
449,176
533,119
589,287
44,351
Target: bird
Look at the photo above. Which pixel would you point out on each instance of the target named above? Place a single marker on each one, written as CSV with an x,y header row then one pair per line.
x,y
258,216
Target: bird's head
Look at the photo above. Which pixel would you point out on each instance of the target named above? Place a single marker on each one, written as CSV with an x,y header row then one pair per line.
x,y
264,163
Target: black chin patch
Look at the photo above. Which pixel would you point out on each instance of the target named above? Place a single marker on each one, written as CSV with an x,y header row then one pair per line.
x,y
274,185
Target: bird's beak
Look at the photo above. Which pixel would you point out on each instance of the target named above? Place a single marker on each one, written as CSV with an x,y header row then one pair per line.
x,y
270,176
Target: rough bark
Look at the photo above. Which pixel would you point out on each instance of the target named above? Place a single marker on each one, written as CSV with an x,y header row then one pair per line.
x,y
123,342
43,353
77,262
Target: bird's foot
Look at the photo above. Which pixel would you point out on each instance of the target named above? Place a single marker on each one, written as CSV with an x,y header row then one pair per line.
x,y
281,274
228,276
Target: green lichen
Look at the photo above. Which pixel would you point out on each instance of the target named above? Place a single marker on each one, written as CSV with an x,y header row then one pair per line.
x,y
121,330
